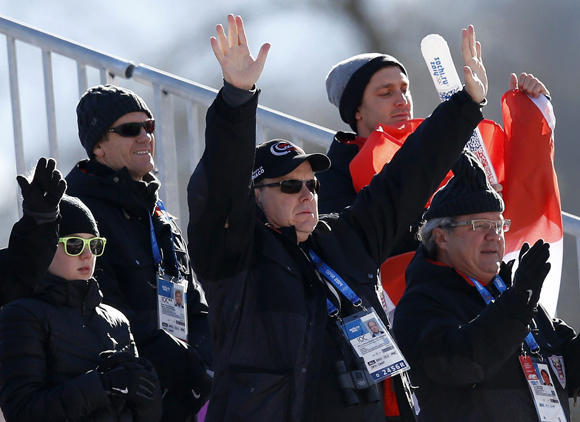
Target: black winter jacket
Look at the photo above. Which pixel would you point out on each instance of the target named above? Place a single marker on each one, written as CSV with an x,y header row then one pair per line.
x,y
337,190
127,273
464,354
49,349
275,346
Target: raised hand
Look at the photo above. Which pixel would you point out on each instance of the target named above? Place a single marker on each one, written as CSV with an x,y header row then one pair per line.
x,y
42,194
528,84
239,68
473,70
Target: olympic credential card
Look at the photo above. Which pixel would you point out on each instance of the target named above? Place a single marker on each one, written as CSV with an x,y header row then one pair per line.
x,y
370,340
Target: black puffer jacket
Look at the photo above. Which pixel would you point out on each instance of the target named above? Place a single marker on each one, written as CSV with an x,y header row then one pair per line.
x,y
464,353
127,275
275,345
49,349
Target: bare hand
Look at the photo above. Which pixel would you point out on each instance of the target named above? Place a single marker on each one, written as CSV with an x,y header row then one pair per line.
x,y
473,69
239,68
528,84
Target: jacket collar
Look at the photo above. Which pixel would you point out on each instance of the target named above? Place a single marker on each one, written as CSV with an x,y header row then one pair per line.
x,y
73,294
91,178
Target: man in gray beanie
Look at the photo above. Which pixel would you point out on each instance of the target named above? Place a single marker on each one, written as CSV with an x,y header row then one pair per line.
x,y
367,89
351,86
146,254
465,327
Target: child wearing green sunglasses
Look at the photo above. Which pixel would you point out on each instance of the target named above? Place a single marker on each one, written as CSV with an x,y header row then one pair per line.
x,y
65,355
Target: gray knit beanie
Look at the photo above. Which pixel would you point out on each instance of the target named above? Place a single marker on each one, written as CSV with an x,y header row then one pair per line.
x,y
100,107
347,80
468,192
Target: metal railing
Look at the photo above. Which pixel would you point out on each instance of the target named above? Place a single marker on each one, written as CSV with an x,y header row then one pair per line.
x,y
165,87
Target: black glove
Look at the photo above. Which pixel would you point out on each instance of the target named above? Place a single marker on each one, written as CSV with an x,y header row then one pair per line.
x,y
532,271
151,410
132,382
42,196
505,272
114,358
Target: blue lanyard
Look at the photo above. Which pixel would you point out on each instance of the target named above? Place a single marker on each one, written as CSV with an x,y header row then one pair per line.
x,y
154,244
501,287
337,282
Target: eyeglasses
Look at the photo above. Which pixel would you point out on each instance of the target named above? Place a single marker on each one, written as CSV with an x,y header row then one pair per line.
x,y
130,130
499,226
293,185
74,245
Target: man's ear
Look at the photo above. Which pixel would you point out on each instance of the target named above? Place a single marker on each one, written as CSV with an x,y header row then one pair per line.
x,y
258,193
440,237
98,150
358,114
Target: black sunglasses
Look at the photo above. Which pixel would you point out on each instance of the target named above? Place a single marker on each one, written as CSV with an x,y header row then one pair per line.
x,y
130,130
293,185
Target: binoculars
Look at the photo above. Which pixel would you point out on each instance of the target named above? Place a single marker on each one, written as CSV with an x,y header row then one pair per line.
x,y
358,379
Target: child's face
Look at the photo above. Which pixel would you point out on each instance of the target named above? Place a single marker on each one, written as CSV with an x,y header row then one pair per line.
x,y
70,268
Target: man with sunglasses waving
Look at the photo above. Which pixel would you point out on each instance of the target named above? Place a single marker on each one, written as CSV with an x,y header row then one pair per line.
x,y
294,293
146,258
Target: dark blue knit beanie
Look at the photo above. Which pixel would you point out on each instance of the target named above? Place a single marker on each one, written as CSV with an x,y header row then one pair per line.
x,y
100,107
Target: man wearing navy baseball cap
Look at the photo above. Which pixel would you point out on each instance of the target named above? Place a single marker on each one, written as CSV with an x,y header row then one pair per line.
x,y
290,291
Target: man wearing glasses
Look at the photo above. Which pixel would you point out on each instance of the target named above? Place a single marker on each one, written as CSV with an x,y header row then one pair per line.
x,y
473,338
145,251
284,282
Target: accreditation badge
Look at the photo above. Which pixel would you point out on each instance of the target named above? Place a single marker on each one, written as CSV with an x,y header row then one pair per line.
x,y
371,341
542,388
557,364
172,305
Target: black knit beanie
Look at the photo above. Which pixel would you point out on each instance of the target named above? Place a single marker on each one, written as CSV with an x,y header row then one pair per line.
x,y
76,217
468,192
100,107
347,80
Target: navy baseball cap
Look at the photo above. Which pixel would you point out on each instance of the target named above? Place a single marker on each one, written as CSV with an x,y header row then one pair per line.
x,y
278,157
